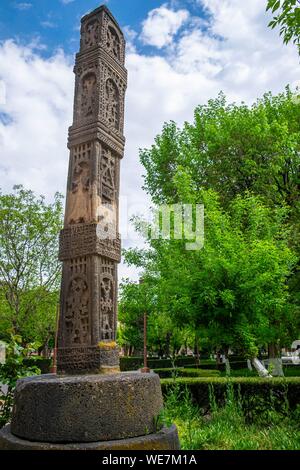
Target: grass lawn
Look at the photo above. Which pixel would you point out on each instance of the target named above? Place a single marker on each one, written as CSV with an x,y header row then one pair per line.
x,y
227,429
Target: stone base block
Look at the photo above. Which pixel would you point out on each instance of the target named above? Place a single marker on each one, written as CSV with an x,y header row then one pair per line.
x,y
166,439
87,359
86,408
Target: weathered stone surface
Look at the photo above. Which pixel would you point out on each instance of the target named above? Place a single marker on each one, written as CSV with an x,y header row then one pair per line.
x,y
91,359
166,439
85,239
89,408
90,246
111,410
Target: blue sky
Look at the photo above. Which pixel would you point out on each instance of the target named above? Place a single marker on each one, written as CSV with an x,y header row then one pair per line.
x,y
180,53
56,22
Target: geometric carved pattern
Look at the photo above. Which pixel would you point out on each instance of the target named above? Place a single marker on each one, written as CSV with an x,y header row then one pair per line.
x,y
76,359
107,267
81,240
107,172
81,159
78,266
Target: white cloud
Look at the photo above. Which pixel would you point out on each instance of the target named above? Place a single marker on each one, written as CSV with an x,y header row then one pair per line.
x,y
39,95
36,44
161,25
23,6
2,93
66,2
130,36
239,54
48,24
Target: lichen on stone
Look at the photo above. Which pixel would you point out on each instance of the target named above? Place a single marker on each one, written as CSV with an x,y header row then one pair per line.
x,y
107,344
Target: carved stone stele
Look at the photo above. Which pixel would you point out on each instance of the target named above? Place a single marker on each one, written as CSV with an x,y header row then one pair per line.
x,y
78,409
90,245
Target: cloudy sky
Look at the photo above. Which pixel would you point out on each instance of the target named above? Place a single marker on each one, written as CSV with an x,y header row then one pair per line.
x,y
179,54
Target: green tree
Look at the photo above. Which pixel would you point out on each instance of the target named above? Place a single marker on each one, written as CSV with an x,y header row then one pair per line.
x,y
243,163
14,368
234,149
163,336
234,290
29,267
231,149
287,17
130,315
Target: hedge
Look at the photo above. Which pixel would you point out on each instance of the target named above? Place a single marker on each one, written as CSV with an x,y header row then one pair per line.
x,y
185,372
291,371
257,394
134,363
245,372
130,363
42,363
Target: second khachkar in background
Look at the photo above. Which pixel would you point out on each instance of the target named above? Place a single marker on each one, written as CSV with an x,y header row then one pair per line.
x,y
89,243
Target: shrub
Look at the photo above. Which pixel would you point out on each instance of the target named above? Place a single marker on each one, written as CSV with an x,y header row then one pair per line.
x,y
42,363
257,394
130,363
241,373
186,372
291,371
13,369
226,427
134,363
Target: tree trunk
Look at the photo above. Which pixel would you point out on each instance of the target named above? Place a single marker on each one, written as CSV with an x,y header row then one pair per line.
x,y
168,340
218,359
227,366
197,352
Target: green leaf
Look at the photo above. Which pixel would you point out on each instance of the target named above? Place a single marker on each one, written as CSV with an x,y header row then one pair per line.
x,y
276,6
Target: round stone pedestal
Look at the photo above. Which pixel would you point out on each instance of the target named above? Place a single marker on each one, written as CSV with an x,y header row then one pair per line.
x,y
86,408
166,439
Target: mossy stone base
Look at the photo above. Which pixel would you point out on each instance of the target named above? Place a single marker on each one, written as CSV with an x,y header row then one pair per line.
x,y
166,439
86,408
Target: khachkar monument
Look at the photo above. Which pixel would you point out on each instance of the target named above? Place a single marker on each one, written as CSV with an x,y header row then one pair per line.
x,y
89,404
89,243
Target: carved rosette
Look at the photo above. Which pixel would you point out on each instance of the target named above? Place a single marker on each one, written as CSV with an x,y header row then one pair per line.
x,y
90,245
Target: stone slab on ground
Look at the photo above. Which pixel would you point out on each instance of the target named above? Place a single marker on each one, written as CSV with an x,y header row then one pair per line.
x,y
166,439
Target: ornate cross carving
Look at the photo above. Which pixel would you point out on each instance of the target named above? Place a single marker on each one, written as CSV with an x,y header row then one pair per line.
x,y
89,242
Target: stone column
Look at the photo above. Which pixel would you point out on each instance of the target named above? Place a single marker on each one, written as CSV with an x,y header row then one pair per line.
x,y
80,408
90,243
